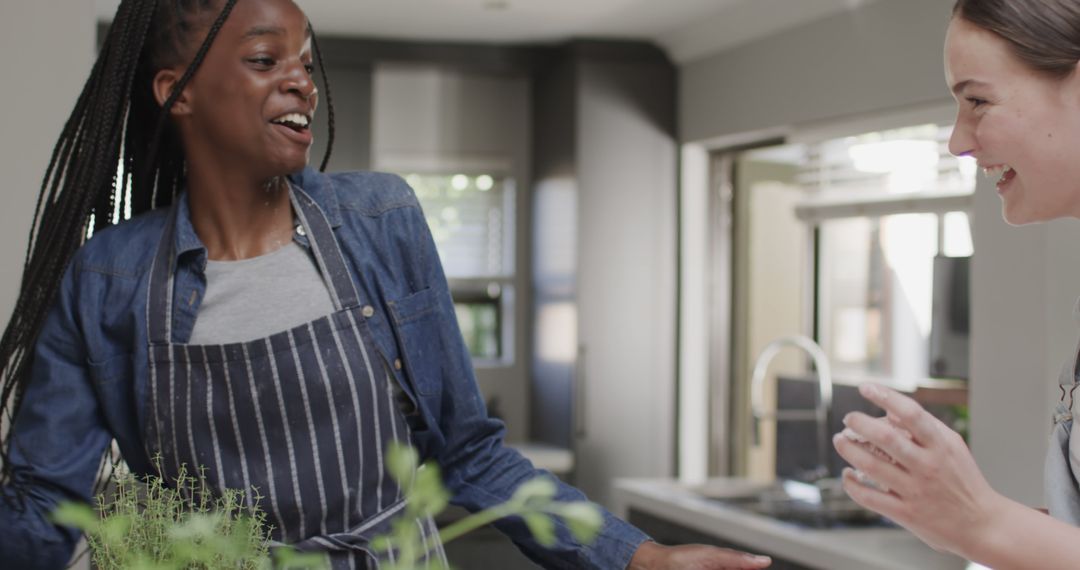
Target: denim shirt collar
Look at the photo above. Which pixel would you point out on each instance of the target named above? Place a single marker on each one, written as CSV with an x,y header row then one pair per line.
x,y
320,188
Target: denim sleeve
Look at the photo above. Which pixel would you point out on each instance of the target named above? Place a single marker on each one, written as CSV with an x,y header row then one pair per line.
x,y
56,444
478,469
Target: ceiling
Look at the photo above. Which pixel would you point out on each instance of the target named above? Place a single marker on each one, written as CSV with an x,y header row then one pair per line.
x,y
686,29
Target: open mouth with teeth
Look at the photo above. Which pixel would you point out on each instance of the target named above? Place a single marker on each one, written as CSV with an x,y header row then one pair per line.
x,y
1003,172
294,121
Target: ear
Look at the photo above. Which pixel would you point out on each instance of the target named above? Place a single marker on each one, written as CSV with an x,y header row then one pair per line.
x,y
163,84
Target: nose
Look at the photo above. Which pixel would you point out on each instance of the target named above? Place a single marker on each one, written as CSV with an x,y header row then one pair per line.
x,y
298,81
962,140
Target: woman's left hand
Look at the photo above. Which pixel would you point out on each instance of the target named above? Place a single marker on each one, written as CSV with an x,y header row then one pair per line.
x,y
653,556
926,479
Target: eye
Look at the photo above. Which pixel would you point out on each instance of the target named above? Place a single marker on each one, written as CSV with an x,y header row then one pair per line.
x,y
309,68
264,62
976,102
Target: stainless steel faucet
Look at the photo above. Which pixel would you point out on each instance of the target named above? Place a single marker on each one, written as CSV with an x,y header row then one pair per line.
x,y
820,413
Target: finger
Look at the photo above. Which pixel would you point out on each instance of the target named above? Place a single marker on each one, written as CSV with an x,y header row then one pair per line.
x,y
746,560
895,422
903,411
852,435
889,438
880,469
886,504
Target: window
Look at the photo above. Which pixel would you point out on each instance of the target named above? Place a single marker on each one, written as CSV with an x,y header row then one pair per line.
x,y
471,217
886,205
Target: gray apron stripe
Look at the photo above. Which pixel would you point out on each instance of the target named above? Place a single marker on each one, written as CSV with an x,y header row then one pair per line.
x,y
391,407
350,375
375,410
210,416
420,524
248,489
334,422
302,383
293,470
195,468
172,409
265,443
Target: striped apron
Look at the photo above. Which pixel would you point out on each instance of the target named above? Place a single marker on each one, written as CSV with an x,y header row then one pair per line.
x,y
1062,468
301,417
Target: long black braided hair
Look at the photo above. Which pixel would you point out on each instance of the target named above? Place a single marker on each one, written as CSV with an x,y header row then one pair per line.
x,y
116,122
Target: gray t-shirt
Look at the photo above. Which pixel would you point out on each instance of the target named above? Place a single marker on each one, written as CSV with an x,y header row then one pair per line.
x,y
257,297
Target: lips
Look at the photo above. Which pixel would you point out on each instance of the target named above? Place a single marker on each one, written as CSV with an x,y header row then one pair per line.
x,y
294,125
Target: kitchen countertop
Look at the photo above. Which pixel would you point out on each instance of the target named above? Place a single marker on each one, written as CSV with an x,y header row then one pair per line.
x,y
558,460
834,549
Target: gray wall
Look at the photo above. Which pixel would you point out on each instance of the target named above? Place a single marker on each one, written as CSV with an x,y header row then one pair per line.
x,y
884,55
351,92
606,200
50,47
883,58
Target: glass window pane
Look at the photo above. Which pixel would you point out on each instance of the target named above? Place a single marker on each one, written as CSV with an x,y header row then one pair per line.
x,y
480,326
875,294
471,219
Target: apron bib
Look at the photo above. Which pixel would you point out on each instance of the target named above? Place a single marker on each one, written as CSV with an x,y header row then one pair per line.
x,y
1063,456
302,417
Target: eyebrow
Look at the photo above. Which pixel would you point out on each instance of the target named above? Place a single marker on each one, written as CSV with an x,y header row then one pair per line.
x,y
259,31
960,87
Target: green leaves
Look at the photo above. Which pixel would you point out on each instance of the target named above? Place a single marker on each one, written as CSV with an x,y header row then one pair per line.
x,y
402,462
584,520
146,525
533,501
535,492
76,515
541,526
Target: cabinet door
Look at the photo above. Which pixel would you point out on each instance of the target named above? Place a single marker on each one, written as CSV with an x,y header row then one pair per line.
x,y
626,275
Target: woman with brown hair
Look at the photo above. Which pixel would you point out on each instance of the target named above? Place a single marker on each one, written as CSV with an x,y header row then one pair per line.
x,y
276,326
1012,66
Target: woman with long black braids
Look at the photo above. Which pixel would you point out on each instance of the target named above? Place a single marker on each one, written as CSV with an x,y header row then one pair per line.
x,y
272,324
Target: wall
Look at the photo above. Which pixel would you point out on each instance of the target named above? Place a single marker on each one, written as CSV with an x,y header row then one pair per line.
x,y
51,46
1024,282
627,267
883,58
884,55
59,37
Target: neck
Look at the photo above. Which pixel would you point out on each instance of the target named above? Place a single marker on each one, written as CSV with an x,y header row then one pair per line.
x,y
236,216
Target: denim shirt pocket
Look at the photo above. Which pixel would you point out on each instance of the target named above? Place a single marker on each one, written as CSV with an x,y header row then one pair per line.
x,y
415,319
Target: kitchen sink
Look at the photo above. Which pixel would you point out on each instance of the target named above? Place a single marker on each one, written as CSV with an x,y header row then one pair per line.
x,y
822,504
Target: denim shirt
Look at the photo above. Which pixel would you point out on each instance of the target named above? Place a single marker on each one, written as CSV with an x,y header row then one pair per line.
x,y
89,375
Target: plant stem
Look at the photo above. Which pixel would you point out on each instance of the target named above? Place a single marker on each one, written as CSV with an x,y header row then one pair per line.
x,y
474,521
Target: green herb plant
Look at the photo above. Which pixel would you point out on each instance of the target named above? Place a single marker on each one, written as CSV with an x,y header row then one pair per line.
x,y
153,526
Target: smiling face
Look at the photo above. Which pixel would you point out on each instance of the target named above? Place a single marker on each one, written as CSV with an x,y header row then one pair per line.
x,y
1023,126
251,101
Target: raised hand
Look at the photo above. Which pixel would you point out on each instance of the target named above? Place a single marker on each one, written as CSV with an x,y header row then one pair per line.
x,y
913,469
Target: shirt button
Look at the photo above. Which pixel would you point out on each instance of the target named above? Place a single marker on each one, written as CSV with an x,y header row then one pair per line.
x,y
300,230
368,311
397,364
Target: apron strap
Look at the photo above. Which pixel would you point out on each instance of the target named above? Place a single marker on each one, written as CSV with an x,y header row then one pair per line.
x,y
159,293
327,251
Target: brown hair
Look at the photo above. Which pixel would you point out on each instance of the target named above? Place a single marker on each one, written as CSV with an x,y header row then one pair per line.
x,y
1044,34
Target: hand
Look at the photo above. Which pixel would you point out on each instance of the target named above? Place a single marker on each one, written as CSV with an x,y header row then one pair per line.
x,y
653,556
926,479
